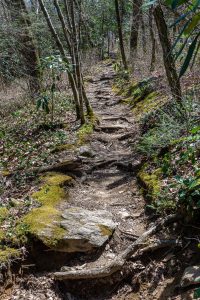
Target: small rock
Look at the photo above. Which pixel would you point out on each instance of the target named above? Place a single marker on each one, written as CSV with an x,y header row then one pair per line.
x,y
124,214
190,276
86,151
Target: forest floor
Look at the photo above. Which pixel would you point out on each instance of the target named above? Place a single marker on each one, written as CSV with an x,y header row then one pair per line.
x,y
109,182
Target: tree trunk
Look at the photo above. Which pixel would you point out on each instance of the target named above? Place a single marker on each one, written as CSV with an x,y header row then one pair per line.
x,y
169,63
135,22
144,41
119,26
81,88
153,42
28,48
102,36
62,52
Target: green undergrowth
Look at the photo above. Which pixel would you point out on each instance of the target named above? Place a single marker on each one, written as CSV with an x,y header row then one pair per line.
x,y
27,140
172,151
142,96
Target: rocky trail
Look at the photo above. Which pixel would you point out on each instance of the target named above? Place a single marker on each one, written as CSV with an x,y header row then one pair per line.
x,y
105,195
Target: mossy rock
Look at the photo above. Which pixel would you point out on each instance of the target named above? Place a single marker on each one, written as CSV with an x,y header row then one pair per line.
x,y
56,179
4,212
42,223
50,195
151,182
72,230
7,254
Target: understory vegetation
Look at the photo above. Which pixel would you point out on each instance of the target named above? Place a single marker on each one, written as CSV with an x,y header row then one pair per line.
x,y
169,144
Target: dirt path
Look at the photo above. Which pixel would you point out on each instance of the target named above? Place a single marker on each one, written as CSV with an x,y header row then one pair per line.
x,y
111,186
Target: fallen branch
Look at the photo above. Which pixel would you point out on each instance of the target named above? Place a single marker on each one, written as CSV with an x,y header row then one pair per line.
x,y
118,262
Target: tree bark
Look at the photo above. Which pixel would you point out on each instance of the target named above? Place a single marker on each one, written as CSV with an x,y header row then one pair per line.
x,y
153,42
120,34
63,54
170,68
135,23
81,88
144,41
20,16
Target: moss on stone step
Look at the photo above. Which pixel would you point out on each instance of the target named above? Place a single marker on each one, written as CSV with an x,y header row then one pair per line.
x,y
105,230
49,195
43,223
56,179
151,181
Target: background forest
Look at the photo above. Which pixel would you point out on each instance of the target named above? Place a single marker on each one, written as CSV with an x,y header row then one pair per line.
x,y
61,62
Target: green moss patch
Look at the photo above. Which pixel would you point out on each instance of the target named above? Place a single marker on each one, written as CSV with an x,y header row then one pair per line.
x,y
56,179
3,214
83,133
8,253
43,223
151,181
105,231
63,147
49,195
2,235
5,173
149,104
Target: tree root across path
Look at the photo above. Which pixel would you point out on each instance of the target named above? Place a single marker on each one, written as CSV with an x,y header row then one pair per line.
x,y
119,261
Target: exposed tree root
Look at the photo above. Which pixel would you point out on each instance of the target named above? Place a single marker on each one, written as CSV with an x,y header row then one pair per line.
x,y
118,262
72,165
111,128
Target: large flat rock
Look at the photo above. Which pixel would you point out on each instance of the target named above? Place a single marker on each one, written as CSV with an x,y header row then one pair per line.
x,y
78,230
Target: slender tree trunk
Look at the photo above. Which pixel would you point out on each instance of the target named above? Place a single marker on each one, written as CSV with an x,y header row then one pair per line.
x,y
153,42
20,16
59,44
81,88
102,36
76,52
169,63
66,4
121,42
144,42
135,22
108,38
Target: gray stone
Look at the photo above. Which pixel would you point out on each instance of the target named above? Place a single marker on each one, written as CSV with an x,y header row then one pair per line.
x,y
191,276
86,151
78,230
